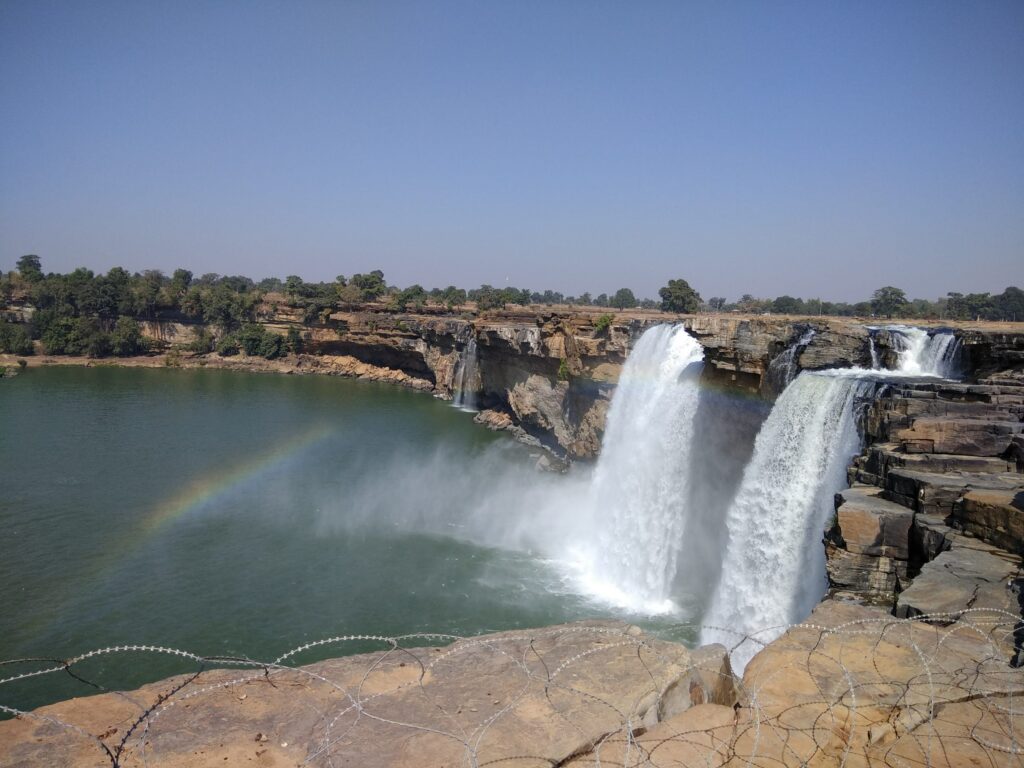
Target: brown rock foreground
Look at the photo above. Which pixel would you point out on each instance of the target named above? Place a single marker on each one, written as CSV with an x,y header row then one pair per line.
x,y
853,686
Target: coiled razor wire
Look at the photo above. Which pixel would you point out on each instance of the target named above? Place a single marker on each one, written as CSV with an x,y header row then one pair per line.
x,y
762,736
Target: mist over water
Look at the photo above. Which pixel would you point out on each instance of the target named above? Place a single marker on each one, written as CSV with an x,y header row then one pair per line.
x,y
253,513
639,496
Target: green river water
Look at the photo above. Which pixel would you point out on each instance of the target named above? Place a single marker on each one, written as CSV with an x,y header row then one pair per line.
x,y
236,514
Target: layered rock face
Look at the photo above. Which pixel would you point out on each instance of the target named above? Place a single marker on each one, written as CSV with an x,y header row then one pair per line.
x,y
851,686
551,375
933,523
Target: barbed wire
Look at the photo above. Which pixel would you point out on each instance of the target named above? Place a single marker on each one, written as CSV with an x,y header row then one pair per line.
x,y
871,689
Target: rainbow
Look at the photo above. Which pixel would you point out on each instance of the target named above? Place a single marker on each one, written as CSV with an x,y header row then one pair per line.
x,y
209,487
196,494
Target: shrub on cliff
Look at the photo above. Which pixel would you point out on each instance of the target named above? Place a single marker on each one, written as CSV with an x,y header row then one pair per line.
x,y
202,343
75,336
126,338
563,370
15,340
256,341
603,323
228,345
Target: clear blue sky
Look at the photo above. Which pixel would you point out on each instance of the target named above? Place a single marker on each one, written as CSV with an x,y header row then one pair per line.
x,y
812,148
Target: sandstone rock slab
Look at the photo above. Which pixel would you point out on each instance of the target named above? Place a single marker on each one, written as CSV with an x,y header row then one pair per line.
x,y
513,698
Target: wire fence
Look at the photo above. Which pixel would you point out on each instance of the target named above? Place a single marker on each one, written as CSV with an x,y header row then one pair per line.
x,y
850,687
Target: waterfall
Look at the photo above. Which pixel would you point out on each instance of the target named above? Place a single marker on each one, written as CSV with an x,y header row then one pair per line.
x,y
875,362
465,378
940,354
924,354
774,566
640,486
782,369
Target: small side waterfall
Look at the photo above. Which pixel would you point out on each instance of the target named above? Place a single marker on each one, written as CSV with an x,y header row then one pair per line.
x,y
465,379
924,354
875,362
783,369
940,354
774,567
640,485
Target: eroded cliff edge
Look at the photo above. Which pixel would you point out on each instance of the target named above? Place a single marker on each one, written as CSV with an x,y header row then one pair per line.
x,y
550,375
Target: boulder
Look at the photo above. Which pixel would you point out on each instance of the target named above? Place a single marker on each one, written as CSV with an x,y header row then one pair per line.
x,y
971,437
880,458
851,686
870,525
868,546
935,493
969,575
993,516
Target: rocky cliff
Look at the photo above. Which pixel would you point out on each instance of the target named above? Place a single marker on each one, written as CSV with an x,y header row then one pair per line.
x,y
549,375
933,523
851,686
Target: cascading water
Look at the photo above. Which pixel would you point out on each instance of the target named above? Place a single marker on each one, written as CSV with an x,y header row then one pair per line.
x,y
782,369
924,354
939,355
875,362
774,567
465,378
641,483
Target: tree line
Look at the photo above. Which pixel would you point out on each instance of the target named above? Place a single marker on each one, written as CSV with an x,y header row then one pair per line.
x,y
83,313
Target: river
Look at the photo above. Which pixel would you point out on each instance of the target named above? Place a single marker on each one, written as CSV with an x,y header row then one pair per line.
x,y
235,514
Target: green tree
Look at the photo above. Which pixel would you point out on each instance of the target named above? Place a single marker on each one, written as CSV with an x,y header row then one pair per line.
x,y
180,282
1010,304
487,297
202,343
294,341
371,285
787,305
293,287
272,345
126,338
30,268
678,296
453,297
623,299
888,301
270,285
228,345
15,339
414,294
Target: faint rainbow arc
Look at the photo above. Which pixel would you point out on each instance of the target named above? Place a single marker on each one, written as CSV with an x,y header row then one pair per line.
x,y
208,487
